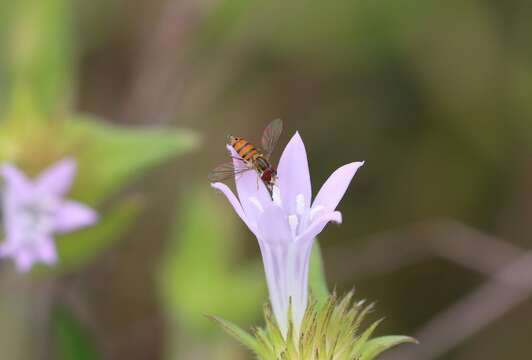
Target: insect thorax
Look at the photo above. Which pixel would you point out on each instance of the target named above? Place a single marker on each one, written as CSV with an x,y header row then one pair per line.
x,y
261,163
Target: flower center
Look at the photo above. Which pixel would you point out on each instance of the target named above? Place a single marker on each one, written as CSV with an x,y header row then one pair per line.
x,y
297,220
293,221
35,218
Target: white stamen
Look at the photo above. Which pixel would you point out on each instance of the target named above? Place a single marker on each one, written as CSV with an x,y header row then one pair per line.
x,y
257,203
293,221
315,210
300,204
276,196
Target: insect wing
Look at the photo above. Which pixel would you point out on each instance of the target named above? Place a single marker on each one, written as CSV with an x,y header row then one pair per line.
x,y
271,135
226,171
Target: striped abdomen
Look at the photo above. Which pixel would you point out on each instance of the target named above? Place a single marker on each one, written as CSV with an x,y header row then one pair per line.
x,y
249,153
244,149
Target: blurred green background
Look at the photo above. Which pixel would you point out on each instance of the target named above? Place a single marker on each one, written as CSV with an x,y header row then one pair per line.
x,y
435,96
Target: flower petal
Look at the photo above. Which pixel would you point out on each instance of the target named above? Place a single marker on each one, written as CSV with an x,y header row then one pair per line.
x,y
7,247
335,187
318,225
251,190
46,251
235,203
72,215
273,227
275,281
57,179
25,254
293,175
24,260
299,273
15,179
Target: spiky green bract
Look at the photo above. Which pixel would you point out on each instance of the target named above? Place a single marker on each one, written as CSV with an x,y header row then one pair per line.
x,y
332,331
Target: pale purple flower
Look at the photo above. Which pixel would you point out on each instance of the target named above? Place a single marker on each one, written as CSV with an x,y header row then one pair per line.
x,y
286,224
33,211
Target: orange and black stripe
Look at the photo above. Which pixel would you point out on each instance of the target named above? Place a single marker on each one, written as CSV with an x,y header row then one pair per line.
x,y
245,149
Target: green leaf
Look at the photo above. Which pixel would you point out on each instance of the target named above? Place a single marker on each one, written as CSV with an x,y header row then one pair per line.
x,y
111,155
72,341
317,281
362,340
376,346
242,336
329,332
79,247
108,156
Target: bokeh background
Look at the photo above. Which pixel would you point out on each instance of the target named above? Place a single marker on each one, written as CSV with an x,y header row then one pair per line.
x,y
435,96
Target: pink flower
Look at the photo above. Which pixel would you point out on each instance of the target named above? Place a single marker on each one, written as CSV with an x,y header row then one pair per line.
x,y
286,223
33,211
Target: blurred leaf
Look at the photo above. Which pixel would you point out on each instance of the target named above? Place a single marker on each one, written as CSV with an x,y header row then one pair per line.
x,y
39,53
72,341
317,280
79,247
333,33
198,276
111,155
375,347
108,158
226,16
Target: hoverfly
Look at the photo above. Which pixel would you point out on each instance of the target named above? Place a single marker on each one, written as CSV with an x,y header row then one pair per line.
x,y
251,157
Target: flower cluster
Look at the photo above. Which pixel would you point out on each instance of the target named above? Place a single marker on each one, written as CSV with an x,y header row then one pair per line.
x,y
34,211
286,224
